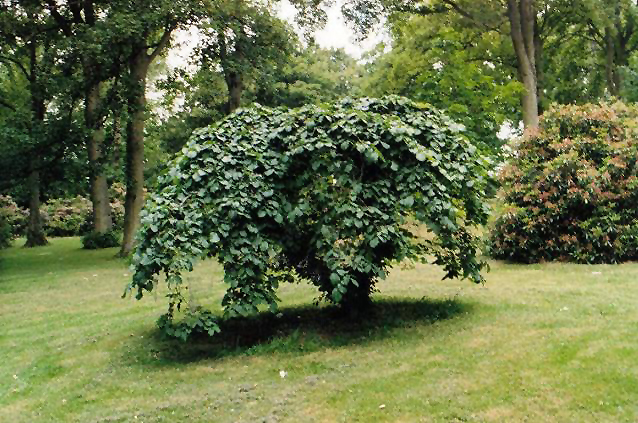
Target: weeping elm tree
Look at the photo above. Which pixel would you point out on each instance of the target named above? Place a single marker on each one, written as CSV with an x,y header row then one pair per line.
x,y
326,193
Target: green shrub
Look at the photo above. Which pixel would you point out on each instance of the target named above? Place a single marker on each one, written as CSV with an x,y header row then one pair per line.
x,y
95,240
570,192
318,192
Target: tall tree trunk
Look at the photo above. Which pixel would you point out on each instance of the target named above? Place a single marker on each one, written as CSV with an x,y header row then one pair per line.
x,y
117,138
610,63
35,232
235,84
139,63
102,221
521,16
540,70
134,199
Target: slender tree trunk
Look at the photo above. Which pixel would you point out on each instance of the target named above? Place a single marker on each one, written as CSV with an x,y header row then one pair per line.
x,y
35,232
102,221
521,15
235,84
134,199
117,138
540,71
610,63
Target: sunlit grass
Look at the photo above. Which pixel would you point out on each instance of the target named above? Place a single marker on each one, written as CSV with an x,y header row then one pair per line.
x,y
552,342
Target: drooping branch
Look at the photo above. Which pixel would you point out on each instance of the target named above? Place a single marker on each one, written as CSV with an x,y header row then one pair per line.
x,y
7,105
20,66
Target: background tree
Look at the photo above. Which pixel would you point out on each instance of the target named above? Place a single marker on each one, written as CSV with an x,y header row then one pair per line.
x,y
310,76
146,28
467,74
86,26
525,23
245,39
28,49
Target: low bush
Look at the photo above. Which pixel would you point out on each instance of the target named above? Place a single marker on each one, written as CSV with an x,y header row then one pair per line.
x,y
96,240
571,189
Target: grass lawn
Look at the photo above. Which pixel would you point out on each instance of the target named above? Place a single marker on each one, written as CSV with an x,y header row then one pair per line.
x,y
538,343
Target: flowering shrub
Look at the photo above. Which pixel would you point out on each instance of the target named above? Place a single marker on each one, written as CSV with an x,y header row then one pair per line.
x,y
323,193
63,216
570,193
67,216
13,216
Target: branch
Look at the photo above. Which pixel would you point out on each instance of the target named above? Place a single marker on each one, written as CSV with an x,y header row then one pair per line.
x,y
166,37
89,12
76,10
64,24
469,16
18,64
7,105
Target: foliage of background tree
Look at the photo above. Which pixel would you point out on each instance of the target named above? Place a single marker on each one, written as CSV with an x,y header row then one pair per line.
x,y
571,189
326,193
244,38
311,75
453,69
28,51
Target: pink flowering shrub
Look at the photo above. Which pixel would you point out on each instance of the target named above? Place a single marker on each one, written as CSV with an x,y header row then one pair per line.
x,y
570,192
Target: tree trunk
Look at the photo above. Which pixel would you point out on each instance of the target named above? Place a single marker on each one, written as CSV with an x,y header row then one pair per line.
x,y
117,138
102,221
357,301
235,84
540,70
610,63
35,232
135,151
521,16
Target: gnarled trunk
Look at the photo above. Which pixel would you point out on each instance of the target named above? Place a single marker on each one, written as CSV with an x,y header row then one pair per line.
x,y
102,221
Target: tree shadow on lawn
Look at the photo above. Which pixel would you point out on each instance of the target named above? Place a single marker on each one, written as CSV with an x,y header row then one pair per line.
x,y
300,329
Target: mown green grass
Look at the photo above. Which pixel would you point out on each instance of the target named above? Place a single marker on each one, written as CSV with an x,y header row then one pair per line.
x,y
552,342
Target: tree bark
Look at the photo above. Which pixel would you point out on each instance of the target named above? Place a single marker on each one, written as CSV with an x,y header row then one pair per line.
x,y
35,232
610,63
235,84
134,199
102,221
540,70
139,63
521,16
117,138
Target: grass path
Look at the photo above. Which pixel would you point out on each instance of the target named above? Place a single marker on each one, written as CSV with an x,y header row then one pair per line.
x,y
550,343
